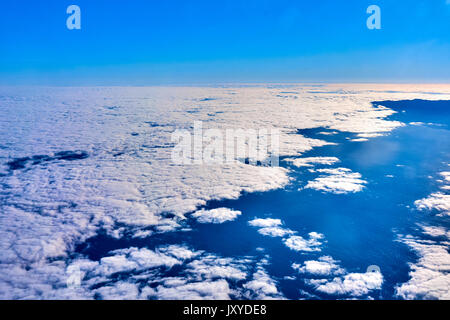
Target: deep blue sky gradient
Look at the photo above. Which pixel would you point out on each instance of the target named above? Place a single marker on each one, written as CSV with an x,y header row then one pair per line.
x,y
140,42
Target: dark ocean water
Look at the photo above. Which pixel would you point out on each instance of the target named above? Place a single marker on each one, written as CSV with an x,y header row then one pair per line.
x,y
360,229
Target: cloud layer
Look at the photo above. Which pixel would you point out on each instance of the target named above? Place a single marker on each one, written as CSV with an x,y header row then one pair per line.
x,y
77,161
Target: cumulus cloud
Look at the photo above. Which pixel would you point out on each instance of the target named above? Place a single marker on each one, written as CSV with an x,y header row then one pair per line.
x,y
264,223
445,175
262,286
436,201
275,231
328,277
435,231
324,266
219,215
134,259
352,284
211,267
180,290
439,201
338,180
149,275
119,291
270,227
298,243
273,228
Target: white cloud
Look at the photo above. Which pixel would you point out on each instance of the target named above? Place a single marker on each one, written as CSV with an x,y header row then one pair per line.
x,y
128,183
270,227
219,215
359,140
370,135
353,284
310,161
262,287
200,275
134,259
119,291
211,267
275,231
436,231
339,180
328,133
298,243
430,275
179,252
436,201
205,290
324,266
264,223
446,176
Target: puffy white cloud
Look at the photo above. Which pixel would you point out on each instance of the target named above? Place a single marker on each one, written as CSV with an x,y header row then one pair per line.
x,y
180,290
299,243
136,259
262,286
119,291
324,266
275,231
436,231
179,252
332,279
273,228
219,215
439,201
446,176
338,180
353,284
265,223
211,267
436,201
200,275
270,227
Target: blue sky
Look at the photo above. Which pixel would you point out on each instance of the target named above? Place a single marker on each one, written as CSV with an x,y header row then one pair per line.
x,y
187,42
